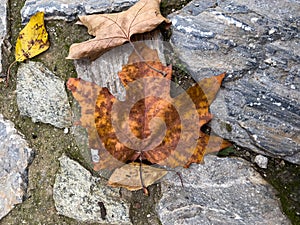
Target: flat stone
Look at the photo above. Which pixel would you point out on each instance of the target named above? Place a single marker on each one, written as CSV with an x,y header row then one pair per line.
x,y
222,191
15,155
3,29
79,195
42,96
259,49
69,10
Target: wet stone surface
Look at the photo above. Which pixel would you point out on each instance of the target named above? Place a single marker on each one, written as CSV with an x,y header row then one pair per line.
x,y
42,96
15,156
258,48
222,191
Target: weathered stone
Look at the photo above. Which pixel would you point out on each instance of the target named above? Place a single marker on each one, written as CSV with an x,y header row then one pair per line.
x,y
69,10
3,29
222,191
42,96
79,195
15,155
258,45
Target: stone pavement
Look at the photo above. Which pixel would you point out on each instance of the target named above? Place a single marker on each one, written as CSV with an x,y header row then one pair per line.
x,y
223,190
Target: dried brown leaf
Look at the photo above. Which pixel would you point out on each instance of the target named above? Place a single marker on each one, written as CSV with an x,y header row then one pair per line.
x,y
128,176
114,29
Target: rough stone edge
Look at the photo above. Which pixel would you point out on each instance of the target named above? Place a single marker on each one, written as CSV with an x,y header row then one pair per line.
x,y
4,45
52,13
94,189
30,156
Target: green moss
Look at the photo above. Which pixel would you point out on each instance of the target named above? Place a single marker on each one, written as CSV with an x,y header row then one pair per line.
x,y
228,127
227,152
285,179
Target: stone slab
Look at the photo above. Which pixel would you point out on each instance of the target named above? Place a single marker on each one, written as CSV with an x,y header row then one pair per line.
x,y
79,195
222,191
15,156
69,10
42,96
258,46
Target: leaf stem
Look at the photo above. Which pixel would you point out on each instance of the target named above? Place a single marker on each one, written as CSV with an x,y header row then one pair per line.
x,y
141,57
145,190
8,71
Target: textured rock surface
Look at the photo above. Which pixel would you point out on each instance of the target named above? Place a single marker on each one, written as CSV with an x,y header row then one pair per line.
x,y
69,10
222,191
79,195
15,155
3,27
258,45
42,96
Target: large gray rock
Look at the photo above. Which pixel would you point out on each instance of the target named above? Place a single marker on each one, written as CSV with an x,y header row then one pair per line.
x,y
3,28
15,155
257,43
42,96
69,10
222,191
79,195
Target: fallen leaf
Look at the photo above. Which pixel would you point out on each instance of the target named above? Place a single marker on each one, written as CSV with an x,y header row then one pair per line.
x,y
149,125
32,39
128,176
114,29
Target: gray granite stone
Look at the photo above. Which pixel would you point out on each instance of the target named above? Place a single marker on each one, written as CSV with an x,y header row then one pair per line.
x,y
258,46
222,191
3,29
15,155
69,10
42,96
79,195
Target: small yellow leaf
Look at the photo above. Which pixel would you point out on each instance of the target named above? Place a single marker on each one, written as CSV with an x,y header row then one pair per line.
x,y
33,39
128,176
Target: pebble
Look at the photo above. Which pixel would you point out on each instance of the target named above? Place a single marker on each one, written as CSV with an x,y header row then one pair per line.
x,y
261,161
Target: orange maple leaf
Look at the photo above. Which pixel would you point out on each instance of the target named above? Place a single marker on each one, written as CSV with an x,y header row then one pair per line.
x,y
149,125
